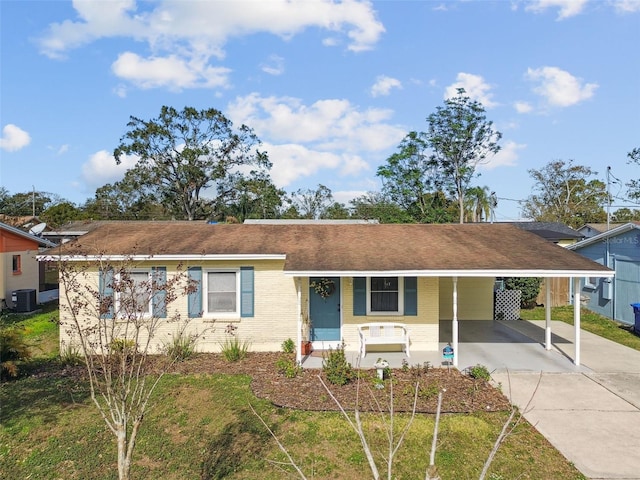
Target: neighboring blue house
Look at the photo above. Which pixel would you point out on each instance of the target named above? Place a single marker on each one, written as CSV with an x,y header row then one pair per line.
x,y
619,249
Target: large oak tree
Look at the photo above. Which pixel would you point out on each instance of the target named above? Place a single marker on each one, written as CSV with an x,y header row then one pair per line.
x,y
181,154
565,192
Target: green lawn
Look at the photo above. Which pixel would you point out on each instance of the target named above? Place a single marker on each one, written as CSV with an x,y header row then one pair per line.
x,y
589,321
201,427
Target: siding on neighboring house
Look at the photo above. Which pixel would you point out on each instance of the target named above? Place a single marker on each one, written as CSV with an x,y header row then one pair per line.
x,y
612,297
28,275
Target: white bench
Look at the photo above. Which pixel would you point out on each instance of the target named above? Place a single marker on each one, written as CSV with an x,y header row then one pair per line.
x,y
383,333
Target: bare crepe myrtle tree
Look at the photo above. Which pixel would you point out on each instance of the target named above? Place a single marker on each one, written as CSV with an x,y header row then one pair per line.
x,y
118,316
514,419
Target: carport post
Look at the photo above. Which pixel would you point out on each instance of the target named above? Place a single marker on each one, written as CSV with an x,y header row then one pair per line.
x,y
299,335
576,319
547,315
454,326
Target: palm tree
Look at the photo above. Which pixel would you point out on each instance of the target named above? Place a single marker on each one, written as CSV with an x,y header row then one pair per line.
x,y
478,204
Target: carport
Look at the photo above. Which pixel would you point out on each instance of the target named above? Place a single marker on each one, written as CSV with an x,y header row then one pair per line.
x,y
455,324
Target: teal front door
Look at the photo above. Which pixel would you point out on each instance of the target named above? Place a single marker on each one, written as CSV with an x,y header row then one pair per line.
x,y
324,309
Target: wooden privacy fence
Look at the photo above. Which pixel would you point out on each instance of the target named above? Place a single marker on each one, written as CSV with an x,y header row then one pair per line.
x,y
559,292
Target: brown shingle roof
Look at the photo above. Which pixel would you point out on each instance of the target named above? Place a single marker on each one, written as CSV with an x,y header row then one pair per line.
x,y
343,248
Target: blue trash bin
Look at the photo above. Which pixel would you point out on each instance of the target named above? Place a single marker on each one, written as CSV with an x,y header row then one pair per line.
x,y
636,312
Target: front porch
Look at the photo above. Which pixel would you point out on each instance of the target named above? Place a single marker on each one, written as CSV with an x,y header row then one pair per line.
x,y
516,345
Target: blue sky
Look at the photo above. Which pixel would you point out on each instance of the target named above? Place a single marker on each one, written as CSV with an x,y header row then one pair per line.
x,y
330,88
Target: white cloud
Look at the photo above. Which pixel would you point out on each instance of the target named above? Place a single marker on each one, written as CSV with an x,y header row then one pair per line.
x,y
626,6
101,168
567,8
274,66
558,87
506,157
326,135
328,124
384,85
62,149
14,138
475,87
184,37
523,107
173,72
292,161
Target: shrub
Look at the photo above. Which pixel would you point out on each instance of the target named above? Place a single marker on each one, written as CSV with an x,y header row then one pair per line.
x,y
335,366
529,286
480,372
288,346
70,355
180,347
288,367
13,350
233,349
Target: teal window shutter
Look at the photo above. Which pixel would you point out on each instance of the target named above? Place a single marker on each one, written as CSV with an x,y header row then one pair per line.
x,y
359,296
195,294
158,302
105,293
246,292
410,296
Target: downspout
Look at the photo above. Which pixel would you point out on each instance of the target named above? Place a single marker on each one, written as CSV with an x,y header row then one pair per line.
x,y
454,326
299,335
576,319
547,315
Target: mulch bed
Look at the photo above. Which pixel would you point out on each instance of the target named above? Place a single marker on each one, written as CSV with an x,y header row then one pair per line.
x,y
461,393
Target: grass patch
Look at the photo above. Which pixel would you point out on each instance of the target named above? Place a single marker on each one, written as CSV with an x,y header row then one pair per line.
x,y
590,322
201,427
40,329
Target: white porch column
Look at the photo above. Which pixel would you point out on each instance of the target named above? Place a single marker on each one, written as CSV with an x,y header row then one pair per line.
x,y
576,318
299,335
547,315
454,326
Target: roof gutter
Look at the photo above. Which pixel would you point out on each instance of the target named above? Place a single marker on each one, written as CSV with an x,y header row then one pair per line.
x,y
605,272
140,258
603,236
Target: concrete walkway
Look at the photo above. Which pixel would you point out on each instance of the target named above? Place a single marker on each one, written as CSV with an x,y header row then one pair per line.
x,y
591,416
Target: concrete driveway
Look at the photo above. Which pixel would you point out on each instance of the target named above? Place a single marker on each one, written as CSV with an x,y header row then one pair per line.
x,y
591,415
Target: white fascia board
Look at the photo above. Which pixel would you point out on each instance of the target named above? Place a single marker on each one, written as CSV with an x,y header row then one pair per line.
x,y
602,237
455,273
138,258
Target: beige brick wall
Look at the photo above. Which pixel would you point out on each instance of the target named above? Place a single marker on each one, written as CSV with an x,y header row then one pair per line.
x,y
424,328
275,304
276,314
475,298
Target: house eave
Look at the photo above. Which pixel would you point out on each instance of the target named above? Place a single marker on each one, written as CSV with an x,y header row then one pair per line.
x,y
608,273
603,236
178,258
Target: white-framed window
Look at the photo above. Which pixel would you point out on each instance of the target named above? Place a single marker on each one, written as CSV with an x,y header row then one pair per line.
x,y
385,296
591,282
137,297
221,293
